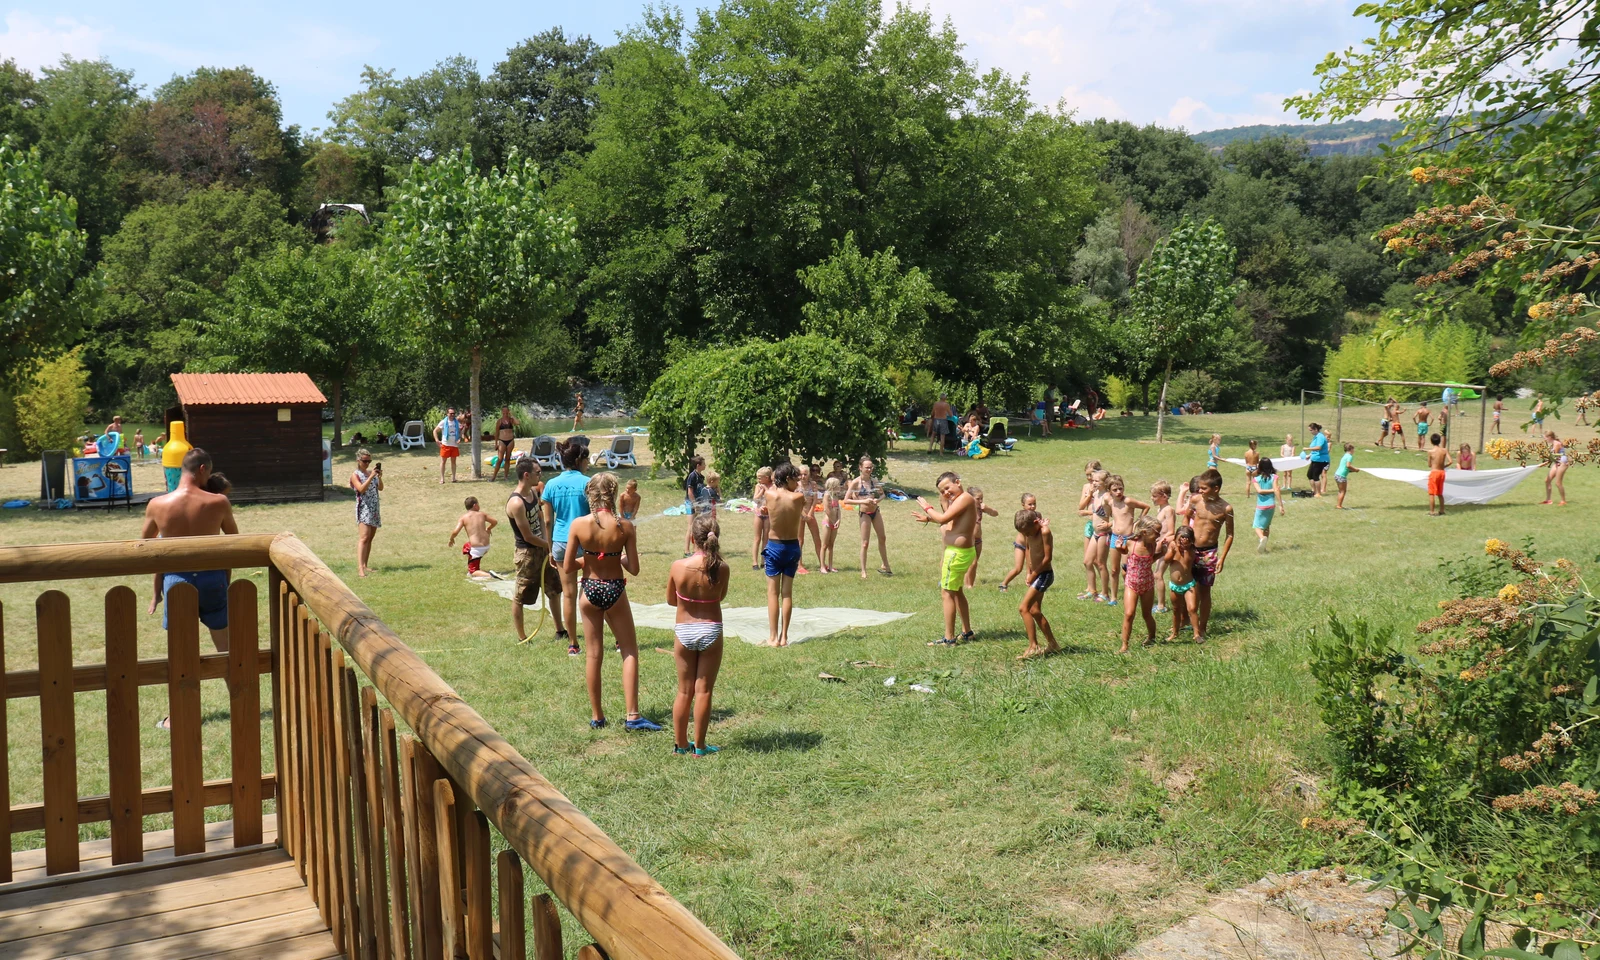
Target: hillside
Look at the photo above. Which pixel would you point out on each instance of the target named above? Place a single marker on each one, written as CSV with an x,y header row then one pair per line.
x,y
1353,136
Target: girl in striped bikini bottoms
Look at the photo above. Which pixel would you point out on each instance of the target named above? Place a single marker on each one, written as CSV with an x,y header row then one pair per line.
x,y
696,585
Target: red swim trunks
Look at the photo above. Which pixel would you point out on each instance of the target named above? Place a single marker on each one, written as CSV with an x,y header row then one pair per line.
x,y
1435,483
447,452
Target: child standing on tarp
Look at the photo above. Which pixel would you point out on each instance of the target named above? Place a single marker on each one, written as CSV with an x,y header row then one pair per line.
x,y
477,525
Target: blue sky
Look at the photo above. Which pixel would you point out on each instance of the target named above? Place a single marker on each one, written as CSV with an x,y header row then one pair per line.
x,y
1199,64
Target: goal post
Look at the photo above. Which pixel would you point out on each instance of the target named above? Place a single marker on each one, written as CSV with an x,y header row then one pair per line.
x,y
1483,402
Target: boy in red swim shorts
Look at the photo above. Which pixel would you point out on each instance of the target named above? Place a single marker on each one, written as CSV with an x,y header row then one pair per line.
x,y
1438,461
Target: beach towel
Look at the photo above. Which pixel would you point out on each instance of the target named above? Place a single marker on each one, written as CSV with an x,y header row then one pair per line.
x,y
1460,486
1279,463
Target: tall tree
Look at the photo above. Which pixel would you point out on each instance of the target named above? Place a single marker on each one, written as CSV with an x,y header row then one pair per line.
x,y
300,309
163,269
41,249
82,107
730,156
1183,300
478,259
870,305
544,93
214,126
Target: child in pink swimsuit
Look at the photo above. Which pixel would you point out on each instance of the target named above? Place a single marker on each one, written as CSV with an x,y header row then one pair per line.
x,y
1139,586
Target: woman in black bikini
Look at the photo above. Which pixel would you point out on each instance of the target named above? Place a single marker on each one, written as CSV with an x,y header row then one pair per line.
x,y
604,545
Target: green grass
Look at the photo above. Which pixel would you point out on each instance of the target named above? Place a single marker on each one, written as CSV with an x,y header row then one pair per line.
x,y
1065,808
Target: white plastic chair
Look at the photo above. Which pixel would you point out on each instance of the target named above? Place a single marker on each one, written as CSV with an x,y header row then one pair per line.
x,y
544,453
410,435
620,453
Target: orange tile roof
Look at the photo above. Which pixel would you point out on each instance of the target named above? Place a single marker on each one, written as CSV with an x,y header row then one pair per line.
x,y
245,388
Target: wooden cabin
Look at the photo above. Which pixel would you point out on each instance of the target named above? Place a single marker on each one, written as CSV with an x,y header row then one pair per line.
x,y
264,430
360,800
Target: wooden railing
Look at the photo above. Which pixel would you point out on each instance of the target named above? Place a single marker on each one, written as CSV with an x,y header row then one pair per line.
x,y
391,830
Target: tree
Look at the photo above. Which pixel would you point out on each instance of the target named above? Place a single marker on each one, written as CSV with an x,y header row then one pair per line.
x,y
214,126
51,408
81,110
545,93
733,152
477,260
1164,171
300,309
869,304
762,402
163,269
1183,300
41,249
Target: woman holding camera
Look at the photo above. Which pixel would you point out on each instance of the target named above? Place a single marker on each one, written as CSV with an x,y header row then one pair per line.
x,y
366,481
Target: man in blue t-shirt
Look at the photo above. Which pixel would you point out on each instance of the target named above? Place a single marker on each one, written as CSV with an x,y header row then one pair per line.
x,y
1317,453
566,498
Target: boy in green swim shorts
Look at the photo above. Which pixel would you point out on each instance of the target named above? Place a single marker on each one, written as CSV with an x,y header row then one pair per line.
x,y
957,519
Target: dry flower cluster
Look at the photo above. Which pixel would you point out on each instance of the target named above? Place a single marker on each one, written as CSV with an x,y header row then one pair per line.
x,y
1434,648
1454,176
1568,798
1339,826
1564,269
1568,344
1543,749
1489,664
1525,452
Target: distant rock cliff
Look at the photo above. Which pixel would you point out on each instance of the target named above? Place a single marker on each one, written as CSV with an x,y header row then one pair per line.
x,y
1325,139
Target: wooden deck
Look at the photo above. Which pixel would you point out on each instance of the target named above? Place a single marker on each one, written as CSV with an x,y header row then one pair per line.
x,y
243,904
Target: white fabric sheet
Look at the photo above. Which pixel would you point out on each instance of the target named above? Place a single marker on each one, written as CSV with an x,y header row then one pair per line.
x,y
747,623
1279,463
1460,486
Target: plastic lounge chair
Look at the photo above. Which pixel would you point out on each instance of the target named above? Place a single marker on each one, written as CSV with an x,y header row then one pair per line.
x,y
619,453
410,435
544,453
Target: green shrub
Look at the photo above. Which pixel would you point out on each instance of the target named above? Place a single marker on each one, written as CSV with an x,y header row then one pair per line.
x,y
1484,730
761,402
51,408
913,386
1194,386
1121,394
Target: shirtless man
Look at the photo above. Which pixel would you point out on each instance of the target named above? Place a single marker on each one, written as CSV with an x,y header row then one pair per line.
x,y
1421,419
1209,515
1391,416
939,423
957,519
190,511
785,513
1438,462
505,438
1441,422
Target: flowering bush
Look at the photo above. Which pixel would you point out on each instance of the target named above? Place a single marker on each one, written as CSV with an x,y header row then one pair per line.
x,y
1487,714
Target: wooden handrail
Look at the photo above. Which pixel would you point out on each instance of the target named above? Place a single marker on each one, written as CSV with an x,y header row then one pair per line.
x,y
615,900
118,558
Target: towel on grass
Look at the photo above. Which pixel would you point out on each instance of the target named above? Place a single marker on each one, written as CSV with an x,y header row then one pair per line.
x,y
1460,486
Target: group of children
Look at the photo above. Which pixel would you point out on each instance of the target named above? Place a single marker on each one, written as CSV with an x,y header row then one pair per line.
x,y
1157,556
828,496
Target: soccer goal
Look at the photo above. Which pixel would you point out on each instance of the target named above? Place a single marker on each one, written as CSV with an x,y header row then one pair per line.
x,y
1481,390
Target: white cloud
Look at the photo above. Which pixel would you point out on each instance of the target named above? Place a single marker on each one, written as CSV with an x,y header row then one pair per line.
x,y
35,42
1199,63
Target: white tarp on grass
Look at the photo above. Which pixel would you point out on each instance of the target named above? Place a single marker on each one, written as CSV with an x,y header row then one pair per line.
x,y
746,623
1460,486
1278,463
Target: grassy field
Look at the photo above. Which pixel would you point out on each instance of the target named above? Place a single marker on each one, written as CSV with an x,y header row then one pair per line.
x,y
1062,808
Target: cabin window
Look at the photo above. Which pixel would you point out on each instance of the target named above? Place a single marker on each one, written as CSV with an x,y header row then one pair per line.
x,y
283,414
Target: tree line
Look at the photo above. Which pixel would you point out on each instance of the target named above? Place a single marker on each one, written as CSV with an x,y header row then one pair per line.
x,y
754,171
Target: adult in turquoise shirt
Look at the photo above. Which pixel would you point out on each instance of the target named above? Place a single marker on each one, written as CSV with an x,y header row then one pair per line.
x,y
566,498
1317,454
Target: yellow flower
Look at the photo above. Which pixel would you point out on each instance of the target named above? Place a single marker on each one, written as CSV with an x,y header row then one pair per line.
x,y
1538,898
1305,823
1510,594
1466,675
1419,174
1493,546
1539,311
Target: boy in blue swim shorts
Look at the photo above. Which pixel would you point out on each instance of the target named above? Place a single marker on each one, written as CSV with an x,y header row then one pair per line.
x,y
781,556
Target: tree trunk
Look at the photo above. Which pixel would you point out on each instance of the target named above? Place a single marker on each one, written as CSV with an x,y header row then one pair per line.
x,y
338,413
1161,412
1144,397
477,432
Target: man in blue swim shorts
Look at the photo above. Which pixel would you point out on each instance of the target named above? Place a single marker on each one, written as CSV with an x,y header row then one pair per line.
x,y
192,511
786,512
